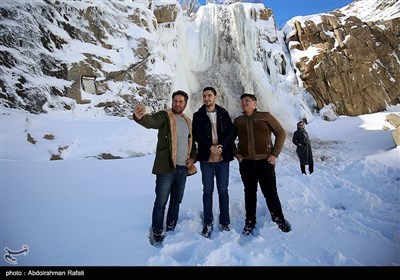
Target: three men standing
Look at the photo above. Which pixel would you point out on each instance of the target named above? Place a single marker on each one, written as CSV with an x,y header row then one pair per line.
x,y
215,135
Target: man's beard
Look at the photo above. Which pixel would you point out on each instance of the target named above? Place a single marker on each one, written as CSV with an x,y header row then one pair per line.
x,y
177,110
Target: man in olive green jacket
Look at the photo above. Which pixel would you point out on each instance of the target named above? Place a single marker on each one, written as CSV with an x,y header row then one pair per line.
x,y
257,156
174,161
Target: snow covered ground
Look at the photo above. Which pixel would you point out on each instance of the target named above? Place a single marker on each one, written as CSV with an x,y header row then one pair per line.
x,y
84,211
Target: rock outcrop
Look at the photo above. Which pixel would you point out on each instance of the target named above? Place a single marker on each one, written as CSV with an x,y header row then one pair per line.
x,y
356,67
394,120
128,50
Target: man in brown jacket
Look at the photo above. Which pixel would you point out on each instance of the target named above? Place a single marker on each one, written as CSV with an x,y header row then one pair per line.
x,y
257,158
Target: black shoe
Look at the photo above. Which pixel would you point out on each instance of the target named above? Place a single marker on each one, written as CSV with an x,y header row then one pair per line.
x,y
248,228
284,226
171,227
224,227
157,235
207,230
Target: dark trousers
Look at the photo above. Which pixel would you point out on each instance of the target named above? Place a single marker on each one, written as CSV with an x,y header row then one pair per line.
x,y
260,171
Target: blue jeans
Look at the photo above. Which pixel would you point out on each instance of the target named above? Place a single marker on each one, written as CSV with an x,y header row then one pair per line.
x,y
173,186
219,170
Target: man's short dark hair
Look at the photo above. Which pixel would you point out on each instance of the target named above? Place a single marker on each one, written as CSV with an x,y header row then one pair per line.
x,y
211,89
252,96
181,92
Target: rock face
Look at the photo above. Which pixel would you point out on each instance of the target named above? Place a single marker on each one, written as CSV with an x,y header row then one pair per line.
x,y
394,120
357,65
52,27
47,47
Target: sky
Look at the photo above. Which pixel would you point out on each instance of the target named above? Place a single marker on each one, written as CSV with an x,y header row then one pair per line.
x,y
86,211
284,10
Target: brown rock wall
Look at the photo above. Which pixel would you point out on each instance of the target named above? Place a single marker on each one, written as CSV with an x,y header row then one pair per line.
x,y
357,66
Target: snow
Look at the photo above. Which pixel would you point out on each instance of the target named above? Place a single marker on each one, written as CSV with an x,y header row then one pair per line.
x,y
367,10
80,210
87,211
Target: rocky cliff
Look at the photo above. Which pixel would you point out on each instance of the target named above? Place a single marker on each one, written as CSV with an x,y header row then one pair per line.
x,y
356,67
112,54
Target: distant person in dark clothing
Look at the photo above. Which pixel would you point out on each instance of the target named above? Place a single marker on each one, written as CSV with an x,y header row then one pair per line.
x,y
304,151
213,133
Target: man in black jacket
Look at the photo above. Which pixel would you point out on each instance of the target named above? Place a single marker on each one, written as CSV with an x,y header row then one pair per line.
x,y
213,133
303,150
